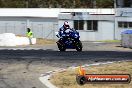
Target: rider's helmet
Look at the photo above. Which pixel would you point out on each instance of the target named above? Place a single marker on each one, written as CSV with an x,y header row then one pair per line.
x,y
66,25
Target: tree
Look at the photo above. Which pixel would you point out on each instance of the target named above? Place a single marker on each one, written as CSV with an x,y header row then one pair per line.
x,y
105,3
77,3
1,3
12,4
56,3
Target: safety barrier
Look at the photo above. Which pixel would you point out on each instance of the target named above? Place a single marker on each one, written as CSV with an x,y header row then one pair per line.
x,y
126,39
9,39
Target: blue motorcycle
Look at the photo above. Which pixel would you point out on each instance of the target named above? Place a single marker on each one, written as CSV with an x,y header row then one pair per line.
x,y
69,40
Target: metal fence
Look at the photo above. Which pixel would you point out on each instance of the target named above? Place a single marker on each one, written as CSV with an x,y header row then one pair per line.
x,y
46,31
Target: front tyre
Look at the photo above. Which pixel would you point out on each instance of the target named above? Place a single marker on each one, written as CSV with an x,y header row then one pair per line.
x,y
79,46
61,46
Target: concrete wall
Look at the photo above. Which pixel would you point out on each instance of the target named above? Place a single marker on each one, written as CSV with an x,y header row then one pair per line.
x,y
87,36
105,32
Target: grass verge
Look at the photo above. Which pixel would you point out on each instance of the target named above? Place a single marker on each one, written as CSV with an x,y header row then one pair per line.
x,y
67,79
41,41
110,41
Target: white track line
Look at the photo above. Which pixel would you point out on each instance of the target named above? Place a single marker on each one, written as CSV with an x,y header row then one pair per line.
x,y
46,82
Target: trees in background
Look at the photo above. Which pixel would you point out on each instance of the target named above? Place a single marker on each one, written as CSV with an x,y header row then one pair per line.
x,y
105,3
12,3
56,3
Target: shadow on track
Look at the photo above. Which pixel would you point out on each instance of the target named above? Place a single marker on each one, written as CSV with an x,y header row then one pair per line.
x,y
68,55
61,59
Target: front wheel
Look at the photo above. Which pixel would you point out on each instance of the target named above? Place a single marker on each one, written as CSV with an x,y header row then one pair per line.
x,y
79,46
61,46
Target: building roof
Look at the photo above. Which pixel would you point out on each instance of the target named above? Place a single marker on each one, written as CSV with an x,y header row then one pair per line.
x,y
47,12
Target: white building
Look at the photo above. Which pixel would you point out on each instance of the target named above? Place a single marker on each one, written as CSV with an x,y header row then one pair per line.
x,y
93,24
123,17
41,21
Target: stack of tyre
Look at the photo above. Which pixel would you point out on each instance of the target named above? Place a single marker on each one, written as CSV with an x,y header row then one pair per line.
x,y
126,39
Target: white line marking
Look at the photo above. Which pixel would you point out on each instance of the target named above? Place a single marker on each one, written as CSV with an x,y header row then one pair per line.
x,y
46,82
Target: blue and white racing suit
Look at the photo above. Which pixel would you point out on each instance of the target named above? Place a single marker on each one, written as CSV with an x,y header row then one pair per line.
x,y
62,31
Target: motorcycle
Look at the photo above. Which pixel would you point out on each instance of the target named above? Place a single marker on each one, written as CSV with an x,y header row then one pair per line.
x,y
69,40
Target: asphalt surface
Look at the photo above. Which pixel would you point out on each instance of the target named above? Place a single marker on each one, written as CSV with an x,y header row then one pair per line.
x,y
20,67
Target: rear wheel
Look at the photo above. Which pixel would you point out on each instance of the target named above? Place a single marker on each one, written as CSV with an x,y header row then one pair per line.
x,y
79,46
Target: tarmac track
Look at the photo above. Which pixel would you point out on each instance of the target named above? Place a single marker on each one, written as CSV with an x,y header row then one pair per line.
x,y
21,68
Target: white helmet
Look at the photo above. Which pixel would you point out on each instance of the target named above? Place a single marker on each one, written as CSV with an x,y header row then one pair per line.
x,y
66,25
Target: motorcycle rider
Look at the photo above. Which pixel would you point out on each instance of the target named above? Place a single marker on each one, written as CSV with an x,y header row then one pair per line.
x,y
68,38
64,28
